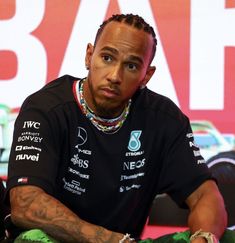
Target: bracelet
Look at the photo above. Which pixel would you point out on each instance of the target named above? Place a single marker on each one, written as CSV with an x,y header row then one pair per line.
x,y
206,235
126,237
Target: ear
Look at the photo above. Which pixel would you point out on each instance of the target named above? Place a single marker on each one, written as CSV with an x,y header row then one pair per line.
x,y
89,52
148,75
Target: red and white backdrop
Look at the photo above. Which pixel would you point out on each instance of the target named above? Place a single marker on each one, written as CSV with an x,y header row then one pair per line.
x,y
41,40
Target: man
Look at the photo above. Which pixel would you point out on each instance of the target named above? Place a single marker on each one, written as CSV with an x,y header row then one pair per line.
x,y
89,155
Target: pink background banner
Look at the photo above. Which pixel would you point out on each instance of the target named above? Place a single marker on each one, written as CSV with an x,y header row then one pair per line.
x,y
41,40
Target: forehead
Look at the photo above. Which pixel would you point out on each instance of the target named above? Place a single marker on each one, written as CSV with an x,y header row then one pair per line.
x,y
126,38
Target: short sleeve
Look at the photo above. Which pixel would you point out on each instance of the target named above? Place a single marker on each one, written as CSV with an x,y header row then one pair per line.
x,y
34,153
184,169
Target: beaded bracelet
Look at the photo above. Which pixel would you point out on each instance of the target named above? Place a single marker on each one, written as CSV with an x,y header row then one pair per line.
x,y
126,237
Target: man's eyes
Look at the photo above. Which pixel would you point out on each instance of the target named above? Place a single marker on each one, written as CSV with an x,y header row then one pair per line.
x,y
107,58
132,66
129,65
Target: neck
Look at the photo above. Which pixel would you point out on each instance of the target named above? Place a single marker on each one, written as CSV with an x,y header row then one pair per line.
x,y
106,125
103,110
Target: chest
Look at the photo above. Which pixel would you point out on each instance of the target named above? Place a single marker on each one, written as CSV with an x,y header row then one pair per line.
x,y
114,163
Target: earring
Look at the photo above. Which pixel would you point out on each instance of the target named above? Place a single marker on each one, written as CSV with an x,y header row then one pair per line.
x,y
142,86
87,67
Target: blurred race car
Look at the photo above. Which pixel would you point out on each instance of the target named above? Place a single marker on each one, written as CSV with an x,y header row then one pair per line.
x,y
219,153
213,145
7,119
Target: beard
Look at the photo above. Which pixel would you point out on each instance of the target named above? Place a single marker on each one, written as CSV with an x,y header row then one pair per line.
x,y
106,108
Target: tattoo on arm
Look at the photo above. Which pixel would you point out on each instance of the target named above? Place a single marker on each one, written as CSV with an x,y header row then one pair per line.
x,y
33,208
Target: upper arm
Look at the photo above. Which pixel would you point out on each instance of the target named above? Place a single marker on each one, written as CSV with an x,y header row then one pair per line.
x,y
34,156
207,191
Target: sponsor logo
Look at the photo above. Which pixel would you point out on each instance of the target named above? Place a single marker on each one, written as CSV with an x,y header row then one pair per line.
x,y
196,153
195,148
134,142
84,151
82,136
27,157
84,176
31,124
191,140
128,188
189,135
133,164
31,133
74,187
22,180
131,177
20,147
192,144
29,138
80,162
134,153
201,161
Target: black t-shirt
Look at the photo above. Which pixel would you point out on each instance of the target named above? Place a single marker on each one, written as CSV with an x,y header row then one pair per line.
x,y
106,179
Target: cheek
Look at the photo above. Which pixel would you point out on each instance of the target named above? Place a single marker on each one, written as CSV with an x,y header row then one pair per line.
x,y
96,71
97,63
133,80
130,88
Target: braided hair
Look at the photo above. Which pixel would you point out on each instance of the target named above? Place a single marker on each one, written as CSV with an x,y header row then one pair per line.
x,y
132,20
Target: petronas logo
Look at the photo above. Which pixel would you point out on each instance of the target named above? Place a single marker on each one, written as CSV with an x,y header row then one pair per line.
x,y
134,142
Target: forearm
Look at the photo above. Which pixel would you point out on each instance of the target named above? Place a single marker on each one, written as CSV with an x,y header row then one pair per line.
x,y
32,208
208,214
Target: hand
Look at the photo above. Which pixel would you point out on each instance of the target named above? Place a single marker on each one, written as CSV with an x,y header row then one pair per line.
x,y
199,240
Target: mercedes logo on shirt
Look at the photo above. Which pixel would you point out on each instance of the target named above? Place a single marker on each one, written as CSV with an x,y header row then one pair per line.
x,y
82,136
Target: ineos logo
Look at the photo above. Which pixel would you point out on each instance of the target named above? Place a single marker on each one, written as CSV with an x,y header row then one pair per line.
x,y
133,164
82,136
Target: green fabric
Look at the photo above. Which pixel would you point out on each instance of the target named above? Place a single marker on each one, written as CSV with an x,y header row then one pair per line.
x,y
35,236
228,237
183,236
38,236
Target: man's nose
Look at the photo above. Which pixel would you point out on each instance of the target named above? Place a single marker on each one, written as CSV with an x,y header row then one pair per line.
x,y
115,75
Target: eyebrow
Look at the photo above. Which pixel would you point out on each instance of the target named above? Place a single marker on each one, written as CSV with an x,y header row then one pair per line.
x,y
136,58
115,51
111,49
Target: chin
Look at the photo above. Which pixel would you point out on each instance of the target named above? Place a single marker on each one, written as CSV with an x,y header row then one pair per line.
x,y
108,111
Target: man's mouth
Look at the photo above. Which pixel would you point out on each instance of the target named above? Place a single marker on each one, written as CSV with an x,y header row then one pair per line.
x,y
110,92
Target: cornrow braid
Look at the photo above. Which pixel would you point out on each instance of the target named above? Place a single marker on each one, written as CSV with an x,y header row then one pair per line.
x,y
133,20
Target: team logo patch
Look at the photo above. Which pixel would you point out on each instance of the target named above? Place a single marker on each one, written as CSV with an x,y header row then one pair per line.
x,y
134,142
82,136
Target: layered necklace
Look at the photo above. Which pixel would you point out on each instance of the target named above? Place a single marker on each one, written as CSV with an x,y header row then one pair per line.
x,y
105,125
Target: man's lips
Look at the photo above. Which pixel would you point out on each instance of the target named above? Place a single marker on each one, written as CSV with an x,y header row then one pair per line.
x,y
110,92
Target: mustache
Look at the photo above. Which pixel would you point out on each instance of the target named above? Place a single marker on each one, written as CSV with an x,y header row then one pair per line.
x,y
112,88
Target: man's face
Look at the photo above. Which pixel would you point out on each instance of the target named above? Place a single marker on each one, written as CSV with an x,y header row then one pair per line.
x,y
118,66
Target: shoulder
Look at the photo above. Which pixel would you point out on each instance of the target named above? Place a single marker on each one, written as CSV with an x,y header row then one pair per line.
x,y
157,104
57,92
